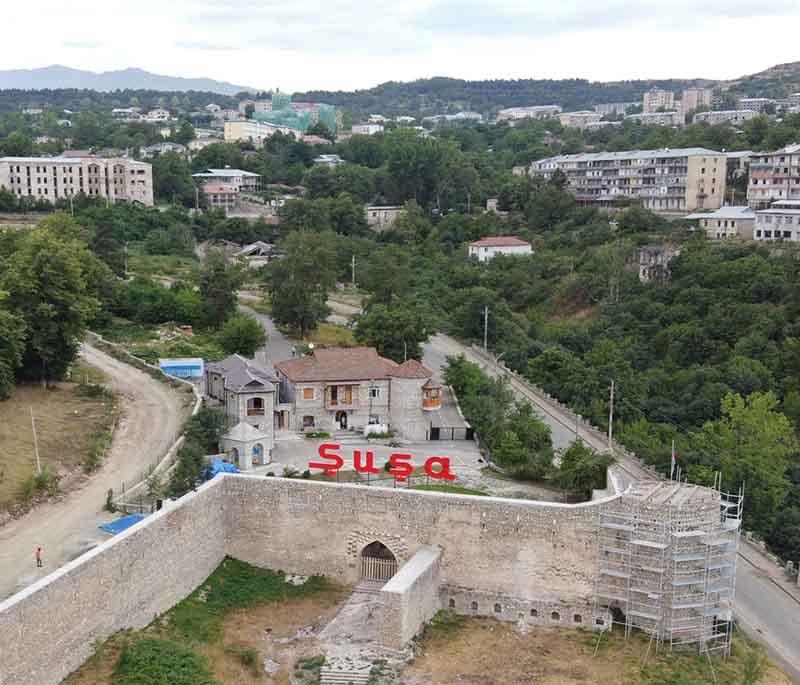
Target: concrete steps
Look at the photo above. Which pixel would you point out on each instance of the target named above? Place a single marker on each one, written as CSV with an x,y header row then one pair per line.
x,y
369,587
345,671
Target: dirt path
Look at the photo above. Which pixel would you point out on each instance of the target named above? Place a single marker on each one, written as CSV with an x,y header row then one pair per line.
x,y
152,415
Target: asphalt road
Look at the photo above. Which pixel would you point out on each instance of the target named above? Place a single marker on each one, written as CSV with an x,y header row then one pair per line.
x,y
152,415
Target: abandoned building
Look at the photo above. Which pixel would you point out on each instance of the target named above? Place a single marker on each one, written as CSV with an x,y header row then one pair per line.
x,y
353,389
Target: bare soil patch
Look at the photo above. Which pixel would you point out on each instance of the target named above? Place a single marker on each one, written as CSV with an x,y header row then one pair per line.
x,y
486,652
67,422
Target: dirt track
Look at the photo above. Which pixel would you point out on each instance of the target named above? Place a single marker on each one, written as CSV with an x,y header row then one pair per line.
x,y
152,416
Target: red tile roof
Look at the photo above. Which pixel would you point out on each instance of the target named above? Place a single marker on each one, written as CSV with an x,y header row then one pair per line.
x,y
346,364
500,241
411,369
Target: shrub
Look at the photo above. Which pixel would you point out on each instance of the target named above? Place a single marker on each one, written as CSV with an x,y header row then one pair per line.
x,y
306,474
247,656
160,661
318,435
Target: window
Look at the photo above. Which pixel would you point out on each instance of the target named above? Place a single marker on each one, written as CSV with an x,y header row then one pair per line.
x,y
308,422
577,618
474,606
374,393
534,613
452,604
599,622
497,608
308,393
255,406
555,616
374,419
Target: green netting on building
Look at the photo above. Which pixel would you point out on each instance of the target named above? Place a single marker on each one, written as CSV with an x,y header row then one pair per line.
x,y
283,114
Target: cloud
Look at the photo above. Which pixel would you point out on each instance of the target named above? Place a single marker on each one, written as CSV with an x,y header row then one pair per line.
x,y
202,45
81,44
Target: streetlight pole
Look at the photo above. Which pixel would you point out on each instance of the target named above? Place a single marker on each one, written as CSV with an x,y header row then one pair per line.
x,y
611,414
485,327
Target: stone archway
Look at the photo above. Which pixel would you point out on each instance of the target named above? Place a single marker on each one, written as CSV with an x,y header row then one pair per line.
x,y
378,563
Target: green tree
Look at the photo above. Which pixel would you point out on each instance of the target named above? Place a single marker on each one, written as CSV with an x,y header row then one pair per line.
x,y
218,284
184,134
397,331
582,469
751,444
241,334
299,283
12,346
47,285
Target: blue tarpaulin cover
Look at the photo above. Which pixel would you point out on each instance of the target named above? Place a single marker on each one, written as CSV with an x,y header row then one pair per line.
x,y
221,466
122,523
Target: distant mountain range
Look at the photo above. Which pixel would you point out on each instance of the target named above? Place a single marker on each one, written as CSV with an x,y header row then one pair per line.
x,y
57,76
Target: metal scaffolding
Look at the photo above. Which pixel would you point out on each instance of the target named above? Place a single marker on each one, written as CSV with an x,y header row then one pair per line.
x,y
667,563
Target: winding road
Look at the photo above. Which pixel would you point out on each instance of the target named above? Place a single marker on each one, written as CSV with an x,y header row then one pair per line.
x,y
152,417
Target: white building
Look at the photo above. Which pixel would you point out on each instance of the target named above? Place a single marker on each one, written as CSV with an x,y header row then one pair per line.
x,y
57,178
613,108
732,116
532,112
759,105
161,148
727,222
126,113
243,181
657,118
156,115
491,246
404,120
780,222
579,119
328,160
254,131
381,218
367,129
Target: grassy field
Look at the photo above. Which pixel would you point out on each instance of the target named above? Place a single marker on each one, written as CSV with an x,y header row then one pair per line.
x,y
221,633
480,650
74,422
328,334
143,264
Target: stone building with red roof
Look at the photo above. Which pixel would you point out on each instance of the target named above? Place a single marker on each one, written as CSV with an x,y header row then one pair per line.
x,y
353,388
487,248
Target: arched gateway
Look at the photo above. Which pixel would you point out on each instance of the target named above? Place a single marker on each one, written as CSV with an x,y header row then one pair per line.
x,y
377,562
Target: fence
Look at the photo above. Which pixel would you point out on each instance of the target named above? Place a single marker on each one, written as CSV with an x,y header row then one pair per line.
x,y
131,497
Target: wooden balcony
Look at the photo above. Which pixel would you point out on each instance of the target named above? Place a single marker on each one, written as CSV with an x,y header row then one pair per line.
x,y
341,397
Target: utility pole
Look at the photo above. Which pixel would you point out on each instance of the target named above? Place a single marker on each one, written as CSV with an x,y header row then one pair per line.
x,y
485,327
36,445
611,414
71,206
405,351
196,199
125,252
353,271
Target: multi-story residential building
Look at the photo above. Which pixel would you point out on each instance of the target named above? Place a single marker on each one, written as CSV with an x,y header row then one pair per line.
x,y
353,388
532,112
254,131
732,116
656,99
489,247
692,98
262,106
161,148
595,125
328,160
246,391
366,129
658,118
57,178
774,176
382,217
780,222
667,180
157,114
727,222
222,196
579,119
760,105
126,113
613,108
459,116
738,164
243,181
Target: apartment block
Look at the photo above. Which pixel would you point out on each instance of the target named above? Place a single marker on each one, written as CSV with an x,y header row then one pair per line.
x,y
613,108
760,105
242,181
222,196
780,222
727,222
367,129
666,180
532,112
657,118
254,131
579,119
57,178
774,176
656,99
692,98
730,116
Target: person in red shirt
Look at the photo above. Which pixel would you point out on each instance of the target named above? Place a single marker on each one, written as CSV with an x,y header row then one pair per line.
x,y
38,557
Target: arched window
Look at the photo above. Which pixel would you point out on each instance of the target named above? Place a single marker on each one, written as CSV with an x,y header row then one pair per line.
x,y
555,616
258,453
452,604
474,606
255,406
534,613
497,608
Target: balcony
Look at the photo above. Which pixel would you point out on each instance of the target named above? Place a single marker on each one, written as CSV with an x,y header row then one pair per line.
x,y
341,397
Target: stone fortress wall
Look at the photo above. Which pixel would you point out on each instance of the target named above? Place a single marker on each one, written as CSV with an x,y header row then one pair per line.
x,y
512,559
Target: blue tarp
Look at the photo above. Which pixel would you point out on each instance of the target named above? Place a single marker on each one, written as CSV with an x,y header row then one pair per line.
x,y
221,466
122,523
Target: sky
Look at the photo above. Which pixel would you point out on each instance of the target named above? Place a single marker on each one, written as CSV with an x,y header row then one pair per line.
x,y
343,44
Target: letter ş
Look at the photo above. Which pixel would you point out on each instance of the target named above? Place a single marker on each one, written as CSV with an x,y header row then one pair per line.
x,y
337,462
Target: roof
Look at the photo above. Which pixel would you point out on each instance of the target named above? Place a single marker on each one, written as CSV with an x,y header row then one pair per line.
x,y
122,523
226,173
631,154
725,213
258,245
242,374
411,369
500,241
348,364
244,432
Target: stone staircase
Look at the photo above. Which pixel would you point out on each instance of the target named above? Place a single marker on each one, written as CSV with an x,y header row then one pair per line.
x,y
345,670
